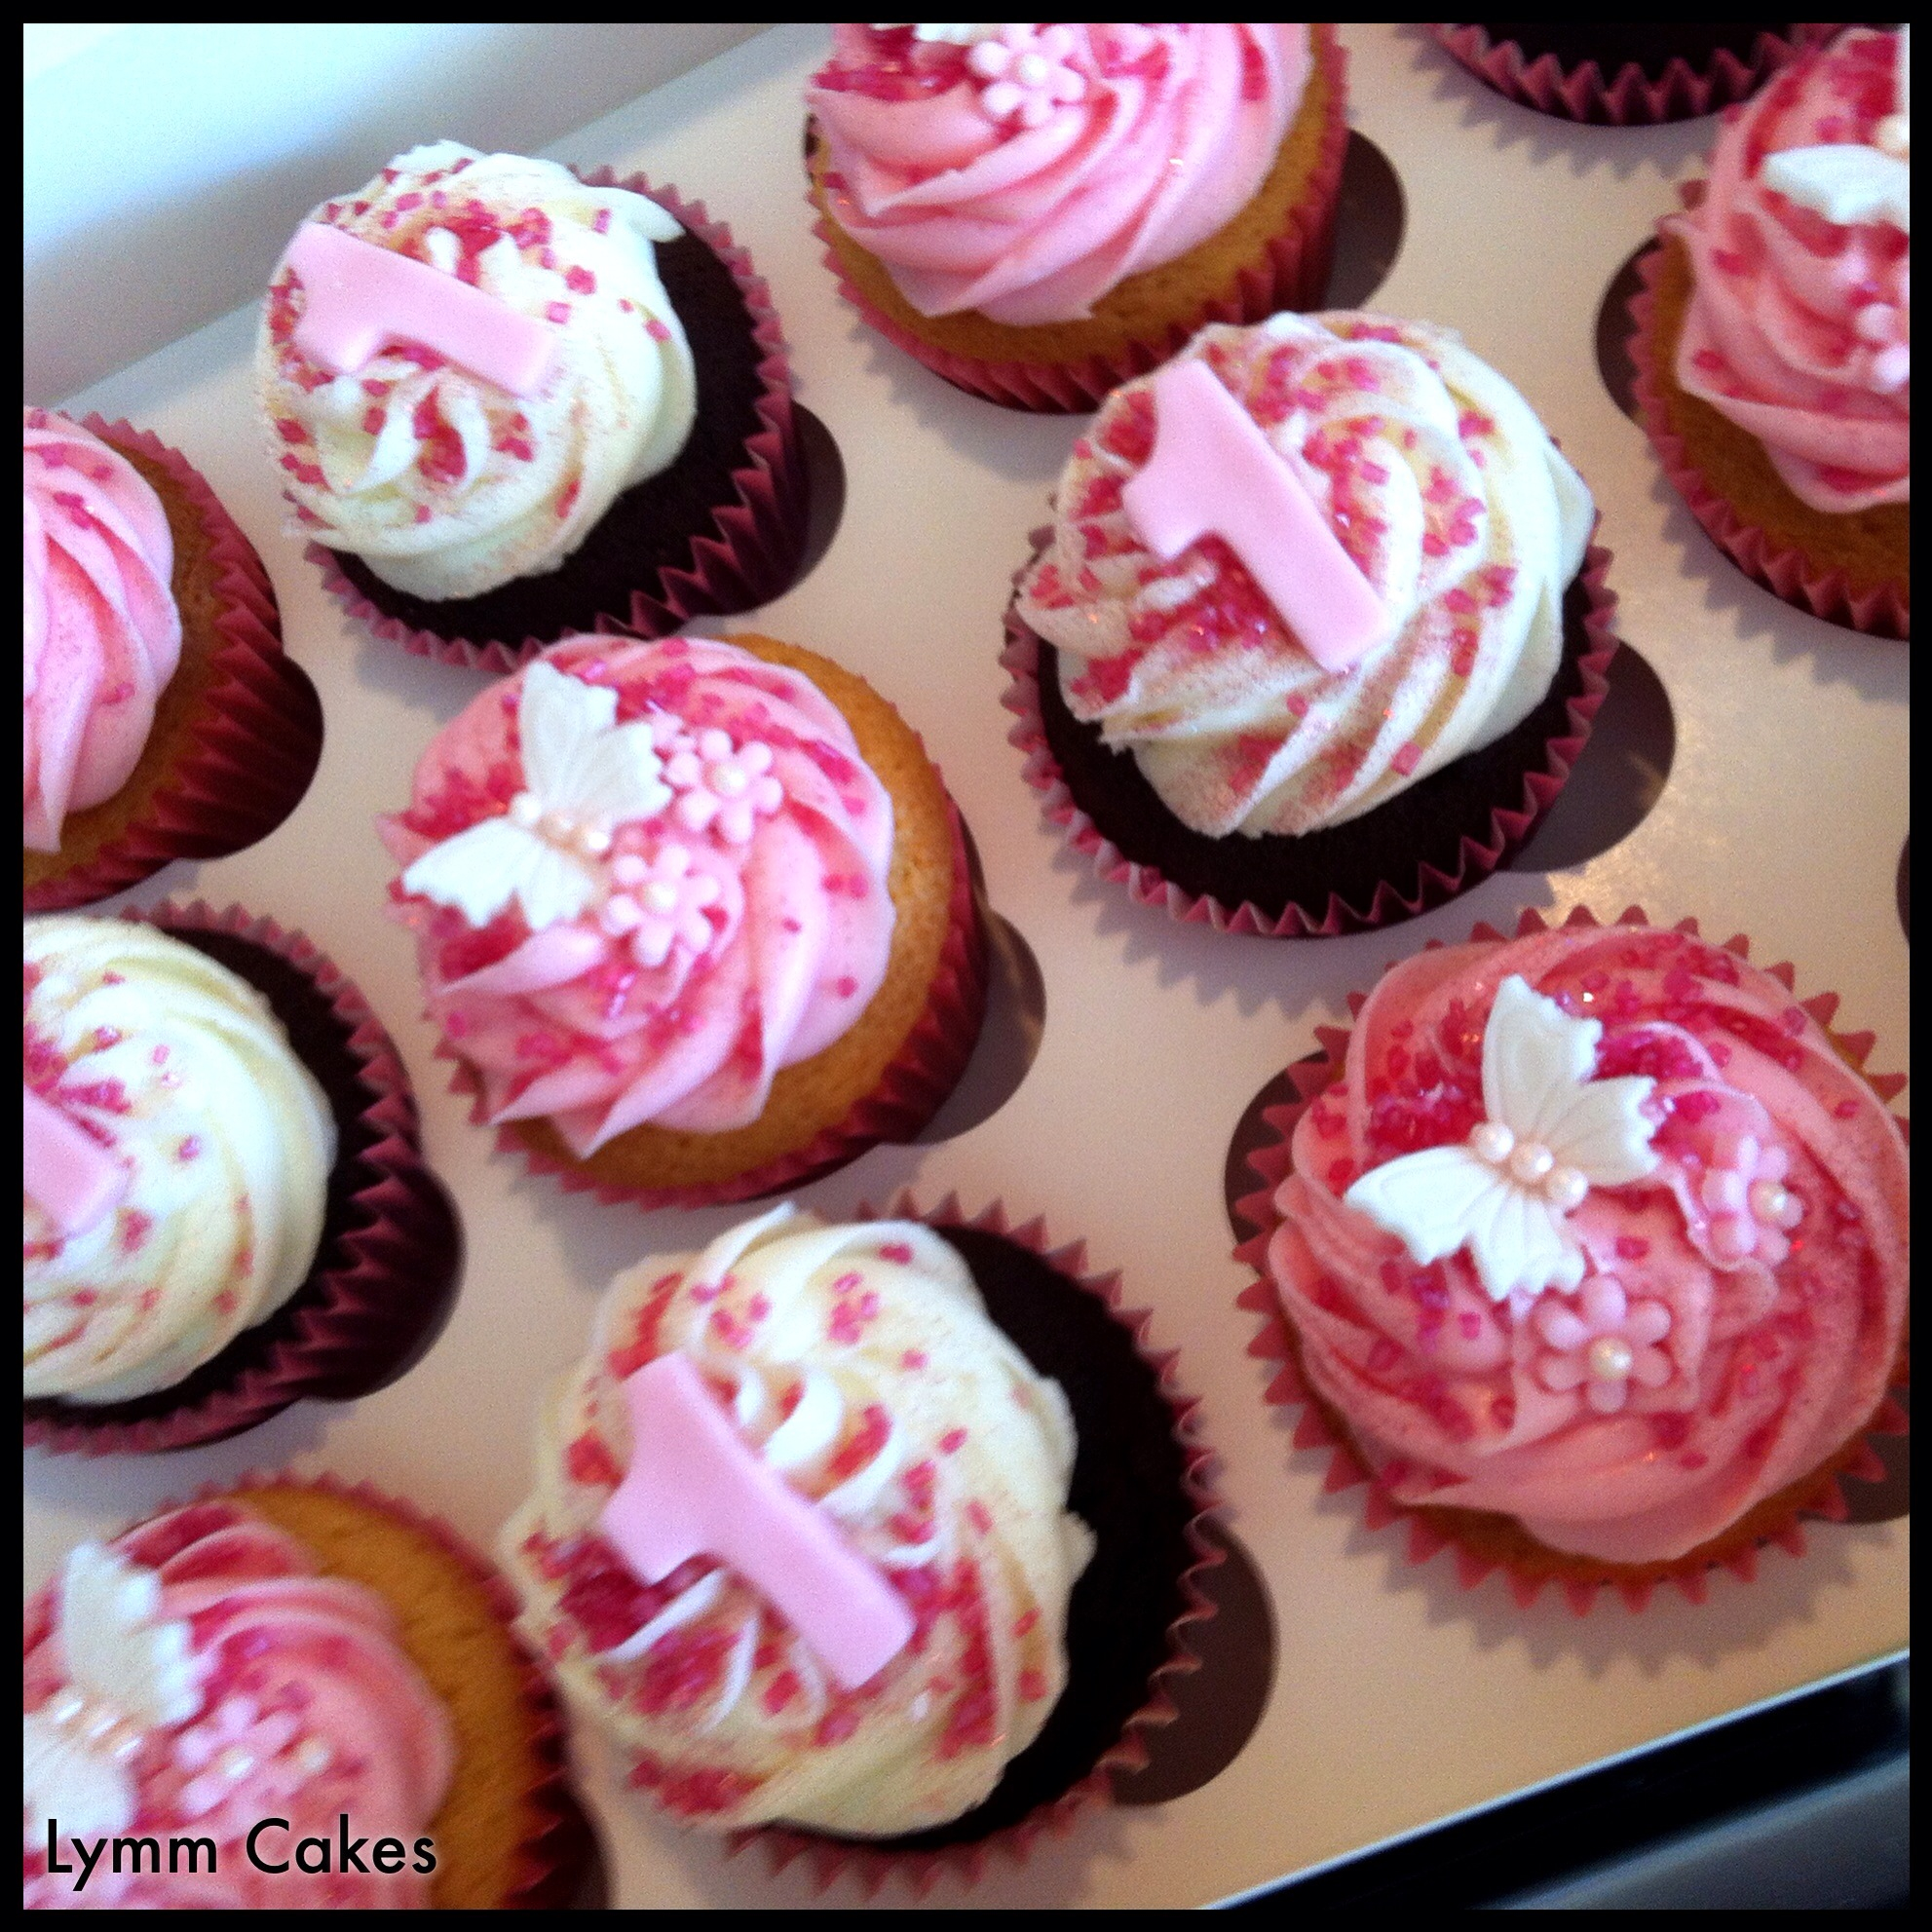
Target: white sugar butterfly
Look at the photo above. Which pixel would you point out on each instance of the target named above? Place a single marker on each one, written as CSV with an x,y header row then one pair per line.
x,y
126,1675
1848,181
584,773
1552,1134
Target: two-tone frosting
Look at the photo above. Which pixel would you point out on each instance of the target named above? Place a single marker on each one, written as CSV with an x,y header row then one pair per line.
x,y
177,1159
1596,1230
457,443
643,879
101,635
1428,496
196,1677
859,1363
1024,171
1799,323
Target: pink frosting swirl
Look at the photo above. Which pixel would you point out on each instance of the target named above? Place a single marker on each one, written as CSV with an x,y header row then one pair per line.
x,y
1028,173
739,928
102,634
307,1709
1741,1307
1799,330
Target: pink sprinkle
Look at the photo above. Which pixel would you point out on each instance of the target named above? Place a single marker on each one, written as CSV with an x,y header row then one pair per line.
x,y
602,224
1631,1247
913,1358
657,330
422,512
952,1442
190,1148
558,313
845,986
977,1516
896,1251
1033,1686
580,281
1408,758
1846,1110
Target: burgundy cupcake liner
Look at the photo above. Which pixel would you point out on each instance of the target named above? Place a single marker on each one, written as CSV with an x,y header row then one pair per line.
x,y
258,737
1292,274
913,1087
382,1281
1882,611
830,1859
1628,97
1508,829
751,551
1818,1494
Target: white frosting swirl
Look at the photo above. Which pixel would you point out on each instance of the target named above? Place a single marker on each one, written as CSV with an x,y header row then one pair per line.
x,y
861,1361
445,485
181,1070
1439,482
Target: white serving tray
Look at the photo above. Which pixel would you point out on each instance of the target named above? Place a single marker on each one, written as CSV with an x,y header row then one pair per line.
x,y
1399,1699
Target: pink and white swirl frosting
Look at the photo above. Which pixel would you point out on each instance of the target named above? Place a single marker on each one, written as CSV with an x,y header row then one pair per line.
x,y
858,1362
1443,489
1028,172
101,635
1740,1306
1799,325
291,1698
732,917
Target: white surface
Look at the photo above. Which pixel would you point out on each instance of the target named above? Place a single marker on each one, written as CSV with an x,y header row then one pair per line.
x,y
1399,1698
146,139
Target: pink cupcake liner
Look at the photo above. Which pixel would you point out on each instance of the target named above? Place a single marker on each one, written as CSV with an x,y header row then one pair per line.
x,y
1275,1345
1626,98
1294,274
750,552
924,1071
830,1859
551,1860
259,735
381,1284
1884,609
1509,827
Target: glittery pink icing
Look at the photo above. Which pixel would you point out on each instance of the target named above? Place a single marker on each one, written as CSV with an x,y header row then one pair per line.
x,y
1798,329
1737,1345
981,188
622,1016
300,1673
101,635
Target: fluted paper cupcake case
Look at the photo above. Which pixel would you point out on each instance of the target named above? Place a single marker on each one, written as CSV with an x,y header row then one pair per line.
x,y
1483,849
551,1860
750,551
1884,609
912,1089
1293,274
1626,98
1773,1522
256,741
385,1274
829,1858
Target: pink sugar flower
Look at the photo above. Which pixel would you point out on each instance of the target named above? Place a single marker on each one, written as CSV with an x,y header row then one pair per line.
x,y
659,904
1028,73
717,781
1602,1345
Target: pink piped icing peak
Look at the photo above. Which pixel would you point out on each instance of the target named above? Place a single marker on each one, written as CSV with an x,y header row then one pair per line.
x,y
362,299
289,1697
1028,173
694,1489
102,634
1799,329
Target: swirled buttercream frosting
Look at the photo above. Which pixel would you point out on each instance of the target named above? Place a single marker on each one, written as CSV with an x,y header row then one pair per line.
x,y
1799,322
1025,170
860,1364
177,1159
101,635
644,878
195,1677
1597,1231
1428,493
471,423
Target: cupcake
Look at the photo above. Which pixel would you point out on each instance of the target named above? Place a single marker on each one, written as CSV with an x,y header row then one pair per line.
x,y
162,719
225,1206
695,917
876,1532
1591,1247
1038,212
1773,342
311,1695
1625,74
509,403
1316,634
